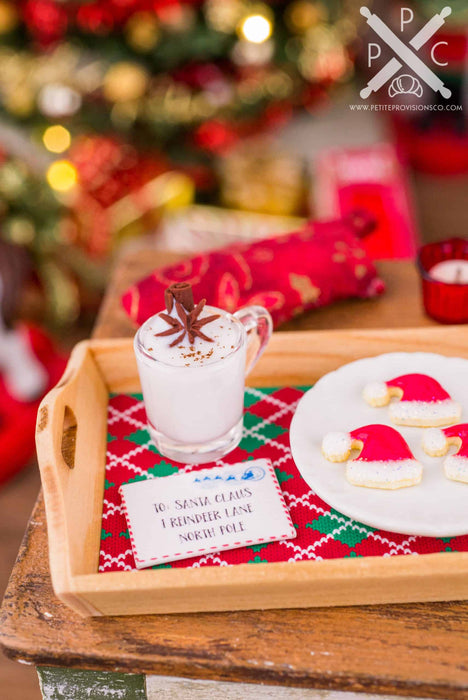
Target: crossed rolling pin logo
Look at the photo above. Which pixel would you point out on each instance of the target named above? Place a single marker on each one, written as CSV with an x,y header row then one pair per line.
x,y
405,54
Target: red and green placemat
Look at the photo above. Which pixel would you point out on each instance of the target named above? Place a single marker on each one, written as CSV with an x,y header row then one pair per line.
x,y
322,532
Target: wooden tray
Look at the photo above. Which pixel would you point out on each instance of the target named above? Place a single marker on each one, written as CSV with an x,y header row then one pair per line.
x,y
71,444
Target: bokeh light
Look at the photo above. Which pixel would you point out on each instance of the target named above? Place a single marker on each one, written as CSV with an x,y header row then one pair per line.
x,y
62,175
256,28
56,139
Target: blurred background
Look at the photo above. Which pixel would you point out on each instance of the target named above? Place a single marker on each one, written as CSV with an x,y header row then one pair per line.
x,y
186,125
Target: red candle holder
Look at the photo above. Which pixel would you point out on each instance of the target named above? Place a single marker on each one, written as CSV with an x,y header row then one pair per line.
x,y
445,300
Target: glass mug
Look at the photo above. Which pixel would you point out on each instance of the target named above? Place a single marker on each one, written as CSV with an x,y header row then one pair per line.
x,y
195,413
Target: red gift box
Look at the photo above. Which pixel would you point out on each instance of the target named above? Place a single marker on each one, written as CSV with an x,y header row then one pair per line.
x,y
287,274
372,179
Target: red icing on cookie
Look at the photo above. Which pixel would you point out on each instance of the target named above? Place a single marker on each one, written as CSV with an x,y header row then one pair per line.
x,y
460,431
381,444
419,387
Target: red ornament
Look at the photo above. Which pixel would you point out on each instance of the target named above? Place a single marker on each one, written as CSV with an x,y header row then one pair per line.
x,y
278,114
95,158
215,136
199,75
95,18
109,170
46,20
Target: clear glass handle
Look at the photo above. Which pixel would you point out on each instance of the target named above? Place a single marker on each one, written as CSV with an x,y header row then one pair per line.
x,y
259,326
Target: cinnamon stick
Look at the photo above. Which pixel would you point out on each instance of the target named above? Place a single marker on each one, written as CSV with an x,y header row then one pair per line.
x,y
180,292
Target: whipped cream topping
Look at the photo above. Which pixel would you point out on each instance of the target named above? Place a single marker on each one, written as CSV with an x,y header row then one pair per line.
x,y
225,332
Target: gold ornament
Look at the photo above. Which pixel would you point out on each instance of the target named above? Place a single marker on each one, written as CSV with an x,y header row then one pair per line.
x,y
177,18
347,29
257,177
56,67
248,53
8,16
324,55
124,114
170,102
61,291
304,14
202,107
278,84
125,81
224,15
20,230
13,178
142,31
19,101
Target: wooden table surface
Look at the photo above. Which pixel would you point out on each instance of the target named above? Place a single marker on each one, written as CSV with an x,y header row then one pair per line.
x,y
417,650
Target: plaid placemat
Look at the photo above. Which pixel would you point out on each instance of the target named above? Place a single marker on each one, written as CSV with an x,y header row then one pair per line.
x,y
322,532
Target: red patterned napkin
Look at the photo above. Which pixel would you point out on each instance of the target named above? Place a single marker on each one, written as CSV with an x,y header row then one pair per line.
x,y
322,532
288,275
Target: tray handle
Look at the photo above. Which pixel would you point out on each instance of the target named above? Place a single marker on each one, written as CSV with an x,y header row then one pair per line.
x,y
71,445
56,426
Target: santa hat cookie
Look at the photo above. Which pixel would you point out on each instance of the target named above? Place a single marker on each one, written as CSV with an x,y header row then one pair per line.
x,y
436,443
385,460
422,400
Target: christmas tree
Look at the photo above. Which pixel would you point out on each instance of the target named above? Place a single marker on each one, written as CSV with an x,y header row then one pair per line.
x,y
119,93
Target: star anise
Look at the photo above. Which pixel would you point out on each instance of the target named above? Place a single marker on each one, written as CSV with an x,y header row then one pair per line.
x,y
187,323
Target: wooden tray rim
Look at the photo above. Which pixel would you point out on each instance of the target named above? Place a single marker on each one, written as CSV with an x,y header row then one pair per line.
x,y
81,591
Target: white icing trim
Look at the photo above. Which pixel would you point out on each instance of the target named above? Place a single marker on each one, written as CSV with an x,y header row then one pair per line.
x,y
425,414
456,468
393,474
434,442
376,394
336,446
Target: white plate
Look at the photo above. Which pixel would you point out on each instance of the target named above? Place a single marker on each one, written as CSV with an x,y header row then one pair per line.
x,y
437,507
